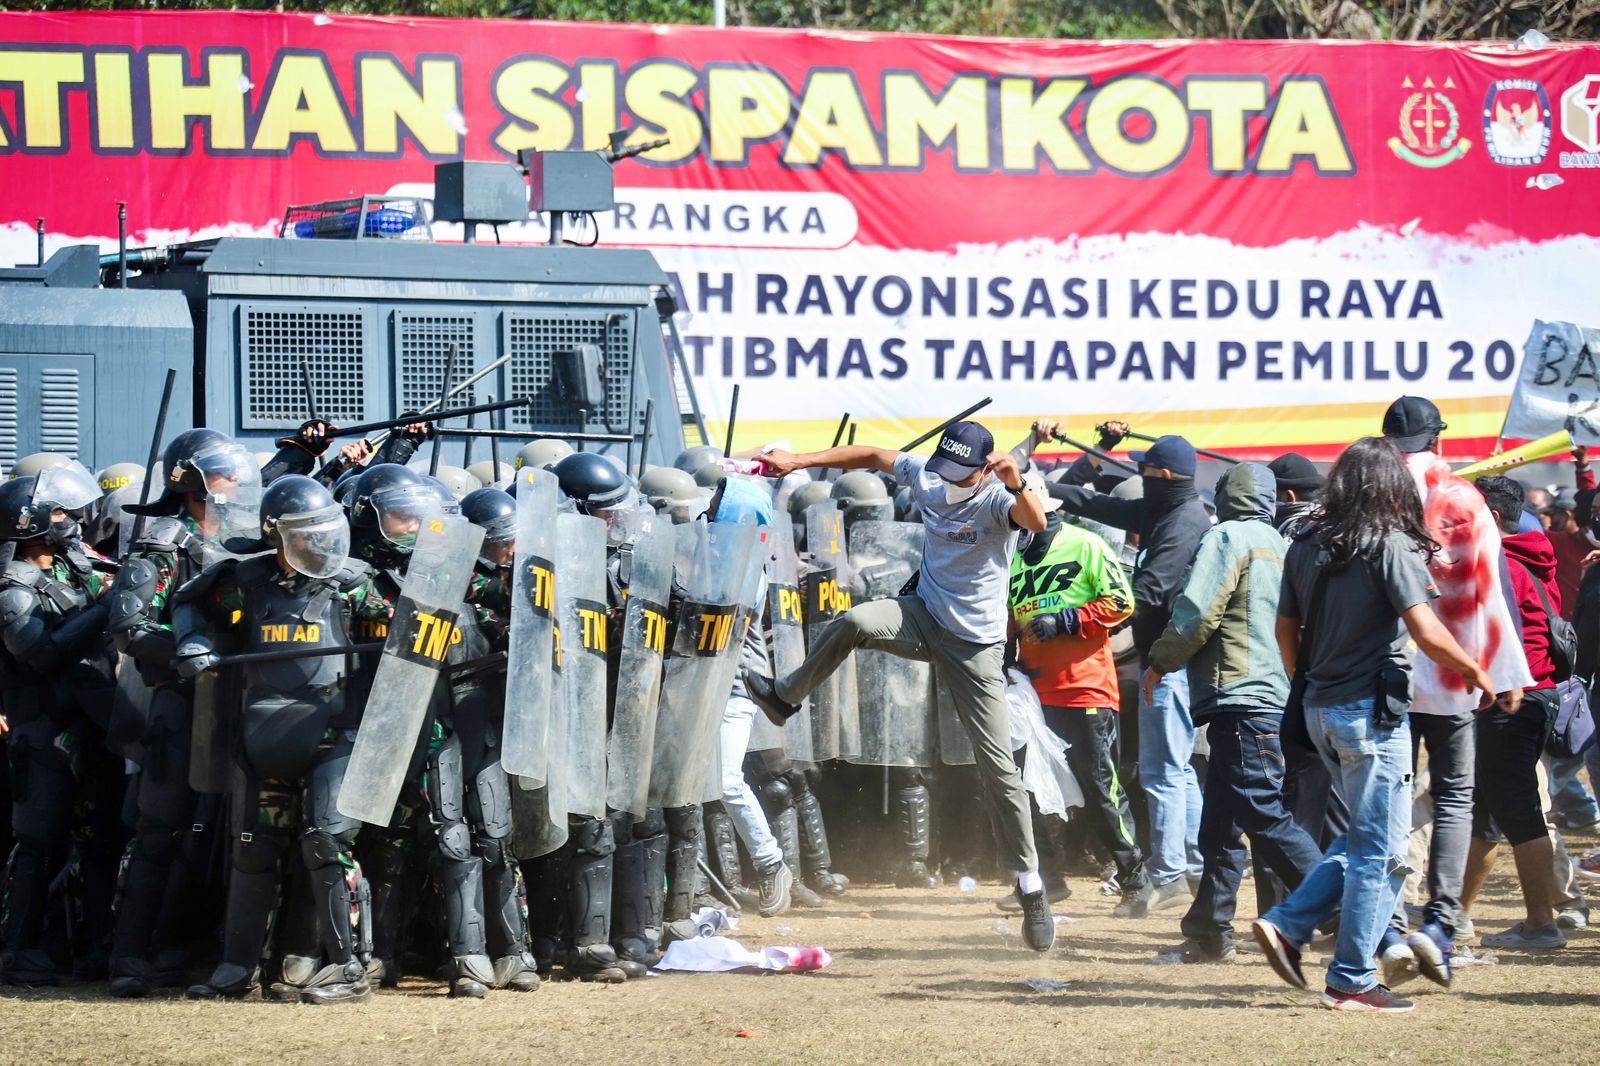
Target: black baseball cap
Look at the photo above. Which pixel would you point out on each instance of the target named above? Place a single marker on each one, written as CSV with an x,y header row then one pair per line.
x,y
1294,471
963,450
1173,454
1411,422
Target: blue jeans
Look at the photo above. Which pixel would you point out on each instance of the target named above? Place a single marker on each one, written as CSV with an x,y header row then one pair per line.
x,y
1568,797
1362,872
1172,791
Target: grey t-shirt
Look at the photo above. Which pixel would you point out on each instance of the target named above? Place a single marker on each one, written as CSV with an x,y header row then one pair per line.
x,y
966,555
1358,630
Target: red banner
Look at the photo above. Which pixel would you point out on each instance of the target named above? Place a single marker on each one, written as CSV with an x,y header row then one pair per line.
x,y
1257,242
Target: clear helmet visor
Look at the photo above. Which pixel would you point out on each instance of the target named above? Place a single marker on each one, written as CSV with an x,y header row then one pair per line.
x,y
315,544
230,472
69,487
401,512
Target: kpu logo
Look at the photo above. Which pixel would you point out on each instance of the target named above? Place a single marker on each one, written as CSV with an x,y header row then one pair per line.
x,y
1516,122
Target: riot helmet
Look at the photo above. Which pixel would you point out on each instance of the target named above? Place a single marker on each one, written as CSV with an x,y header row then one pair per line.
x,y
496,512
709,475
597,487
301,518
692,459
458,481
344,490
543,453
390,504
800,500
673,494
448,504
29,505
110,515
37,463
491,475
862,497
120,475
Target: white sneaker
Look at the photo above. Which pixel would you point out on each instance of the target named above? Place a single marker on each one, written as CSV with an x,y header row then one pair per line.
x,y
1399,964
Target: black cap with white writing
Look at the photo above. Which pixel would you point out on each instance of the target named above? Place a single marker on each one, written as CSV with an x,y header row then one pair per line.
x,y
963,450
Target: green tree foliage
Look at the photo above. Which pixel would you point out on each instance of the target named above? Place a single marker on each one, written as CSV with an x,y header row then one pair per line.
x,y
1404,20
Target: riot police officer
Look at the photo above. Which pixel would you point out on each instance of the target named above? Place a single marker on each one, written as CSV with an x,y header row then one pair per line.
x,y
295,736
53,674
478,705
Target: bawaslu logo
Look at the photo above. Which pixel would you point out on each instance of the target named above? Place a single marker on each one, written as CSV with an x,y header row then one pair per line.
x,y
1580,122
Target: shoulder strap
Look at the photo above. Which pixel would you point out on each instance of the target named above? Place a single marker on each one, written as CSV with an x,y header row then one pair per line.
x,y
1538,586
1308,627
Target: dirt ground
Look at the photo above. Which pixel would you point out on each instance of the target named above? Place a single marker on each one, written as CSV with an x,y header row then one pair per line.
x,y
917,977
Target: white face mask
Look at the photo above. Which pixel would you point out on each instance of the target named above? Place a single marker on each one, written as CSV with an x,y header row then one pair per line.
x,y
954,494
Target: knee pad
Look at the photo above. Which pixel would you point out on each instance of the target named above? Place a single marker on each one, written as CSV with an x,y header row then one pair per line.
x,y
446,781
592,837
683,823
798,785
493,790
159,844
320,848
492,851
775,795
455,842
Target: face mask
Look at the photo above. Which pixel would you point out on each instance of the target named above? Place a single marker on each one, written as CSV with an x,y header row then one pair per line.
x,y
61,534
954,493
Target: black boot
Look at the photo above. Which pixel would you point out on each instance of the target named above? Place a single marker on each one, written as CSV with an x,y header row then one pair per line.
x,y
815,859
911,819
722,855
545,881
461,882
27,889
251,895
592,957
786,827
628,906
685,832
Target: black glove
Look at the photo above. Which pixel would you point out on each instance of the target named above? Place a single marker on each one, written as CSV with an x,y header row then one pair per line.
x,y
416,432
314,436
1050,626
1109,438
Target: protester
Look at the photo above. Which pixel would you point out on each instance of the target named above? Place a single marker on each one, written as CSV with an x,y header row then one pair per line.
x,y
973,507
1170,520
1568,534
1223,629
1299,485
1507,800
1358,582
1466,569
1068,592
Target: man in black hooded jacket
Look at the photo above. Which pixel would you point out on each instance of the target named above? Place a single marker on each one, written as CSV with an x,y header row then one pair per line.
x,y
1169,520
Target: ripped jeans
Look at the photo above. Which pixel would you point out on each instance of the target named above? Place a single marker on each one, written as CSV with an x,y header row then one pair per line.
x,y
1362,872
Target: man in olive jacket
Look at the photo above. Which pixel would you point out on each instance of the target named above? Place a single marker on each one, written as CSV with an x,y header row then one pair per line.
x,y
1223,629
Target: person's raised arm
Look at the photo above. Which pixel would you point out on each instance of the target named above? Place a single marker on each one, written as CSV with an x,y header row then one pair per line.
x,y
1026,510
845,457
1437,644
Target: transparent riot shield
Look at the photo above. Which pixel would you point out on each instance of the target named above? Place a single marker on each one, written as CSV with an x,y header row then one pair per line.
x,y
712,566
539,810
581,607
785,622
232,525
420,635
530,646
644,643
750,597
894,694
834,730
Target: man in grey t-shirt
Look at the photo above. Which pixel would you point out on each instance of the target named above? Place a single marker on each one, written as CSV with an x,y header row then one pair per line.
x,y
973,508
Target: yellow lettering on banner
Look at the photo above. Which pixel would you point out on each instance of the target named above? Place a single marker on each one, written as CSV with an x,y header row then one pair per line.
x,y
745,104
388,98
1227,105
833,116
655,632
1030,121
525,93
302,99
113,100
1304,126
598,84
43,77
1108,110
910,113
217,99
657,94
